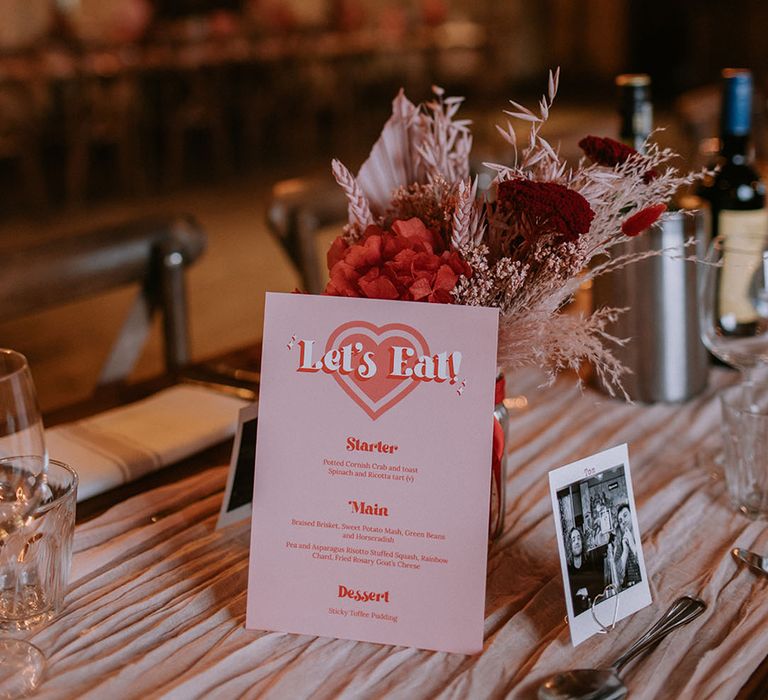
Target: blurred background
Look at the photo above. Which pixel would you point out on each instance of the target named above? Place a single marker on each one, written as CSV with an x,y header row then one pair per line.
x,y
111,110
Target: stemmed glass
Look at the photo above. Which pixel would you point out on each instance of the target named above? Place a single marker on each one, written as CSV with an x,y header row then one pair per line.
x,y
23,468
733,302
733,311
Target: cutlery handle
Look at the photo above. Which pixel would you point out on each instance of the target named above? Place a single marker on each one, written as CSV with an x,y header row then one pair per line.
x,y
754,561
682,611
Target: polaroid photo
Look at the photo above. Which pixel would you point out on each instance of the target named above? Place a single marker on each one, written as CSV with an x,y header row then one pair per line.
x,y
238,495
598,538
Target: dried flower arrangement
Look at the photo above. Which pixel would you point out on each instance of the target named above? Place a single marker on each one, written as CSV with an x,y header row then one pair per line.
x,y
419,231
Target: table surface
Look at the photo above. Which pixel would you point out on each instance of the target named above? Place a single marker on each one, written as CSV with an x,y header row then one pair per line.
x,y
156,605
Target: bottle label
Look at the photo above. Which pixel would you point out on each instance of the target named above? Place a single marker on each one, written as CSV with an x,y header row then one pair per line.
x,y
746,233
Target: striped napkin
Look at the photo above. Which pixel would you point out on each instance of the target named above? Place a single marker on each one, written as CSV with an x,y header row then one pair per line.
x,y
124,444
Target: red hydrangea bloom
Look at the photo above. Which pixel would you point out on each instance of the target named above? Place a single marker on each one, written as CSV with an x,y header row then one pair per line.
x,y
605,151
637,223
408,262
546,205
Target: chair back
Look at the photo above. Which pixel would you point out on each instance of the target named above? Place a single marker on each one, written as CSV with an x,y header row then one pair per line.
x,y
151,252
297,210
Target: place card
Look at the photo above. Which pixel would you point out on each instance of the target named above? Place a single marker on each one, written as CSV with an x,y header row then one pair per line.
x,y
373,461
598,538
236,504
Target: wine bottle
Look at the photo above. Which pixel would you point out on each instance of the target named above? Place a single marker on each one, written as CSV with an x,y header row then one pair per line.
x,y
736,198
635,109
735,193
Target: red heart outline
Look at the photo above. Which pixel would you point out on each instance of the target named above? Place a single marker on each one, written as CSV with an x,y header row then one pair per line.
x,y
351,383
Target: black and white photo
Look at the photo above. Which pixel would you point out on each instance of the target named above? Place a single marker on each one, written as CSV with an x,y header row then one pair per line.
x,y
599,541
238,494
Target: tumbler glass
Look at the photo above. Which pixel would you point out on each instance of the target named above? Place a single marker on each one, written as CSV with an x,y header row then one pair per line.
x,y
35,560
23,489
745,437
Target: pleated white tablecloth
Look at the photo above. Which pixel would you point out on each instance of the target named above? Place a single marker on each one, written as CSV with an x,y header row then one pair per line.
x,y
156,606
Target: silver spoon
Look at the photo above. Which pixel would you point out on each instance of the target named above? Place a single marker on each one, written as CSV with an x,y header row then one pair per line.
x,y
604,683
754,561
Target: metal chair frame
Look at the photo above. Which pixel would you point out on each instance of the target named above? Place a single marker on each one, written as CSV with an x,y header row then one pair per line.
x,y
297,210
151,252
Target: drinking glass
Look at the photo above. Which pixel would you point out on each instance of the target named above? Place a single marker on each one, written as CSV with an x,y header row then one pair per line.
x,y
745,436
733,312
23,487
733,302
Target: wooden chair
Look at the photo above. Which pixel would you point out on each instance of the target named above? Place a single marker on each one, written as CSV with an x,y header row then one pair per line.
x,y
195,100
104,106
23,108
151,252
297,211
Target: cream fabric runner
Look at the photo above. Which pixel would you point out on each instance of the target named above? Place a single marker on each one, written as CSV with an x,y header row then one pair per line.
x,y
156,606
124,444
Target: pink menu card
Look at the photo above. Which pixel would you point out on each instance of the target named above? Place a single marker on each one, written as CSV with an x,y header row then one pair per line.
x,y
371,490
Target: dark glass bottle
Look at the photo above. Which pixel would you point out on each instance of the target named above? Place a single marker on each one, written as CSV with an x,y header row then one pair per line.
x,y
736,198
665,358
635,109
735,194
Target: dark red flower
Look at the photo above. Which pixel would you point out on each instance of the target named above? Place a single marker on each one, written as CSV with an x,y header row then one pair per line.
x,y
649,176
637,223
546,205
407,262
605,151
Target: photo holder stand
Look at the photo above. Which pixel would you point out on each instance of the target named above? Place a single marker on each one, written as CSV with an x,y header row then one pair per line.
x,y
594,495
610,591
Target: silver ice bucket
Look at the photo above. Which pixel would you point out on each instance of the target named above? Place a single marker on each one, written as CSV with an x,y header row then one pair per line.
x,y
667,359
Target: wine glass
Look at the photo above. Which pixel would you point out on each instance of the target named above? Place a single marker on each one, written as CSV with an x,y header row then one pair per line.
x,y
23,468
733,302
733,311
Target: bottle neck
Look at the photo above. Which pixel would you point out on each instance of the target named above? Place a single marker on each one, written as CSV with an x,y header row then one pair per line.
x,y
636,124
736,115
635,109
735,147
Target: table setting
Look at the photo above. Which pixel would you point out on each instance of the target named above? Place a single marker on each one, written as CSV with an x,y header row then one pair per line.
x,y
376,423
156,596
